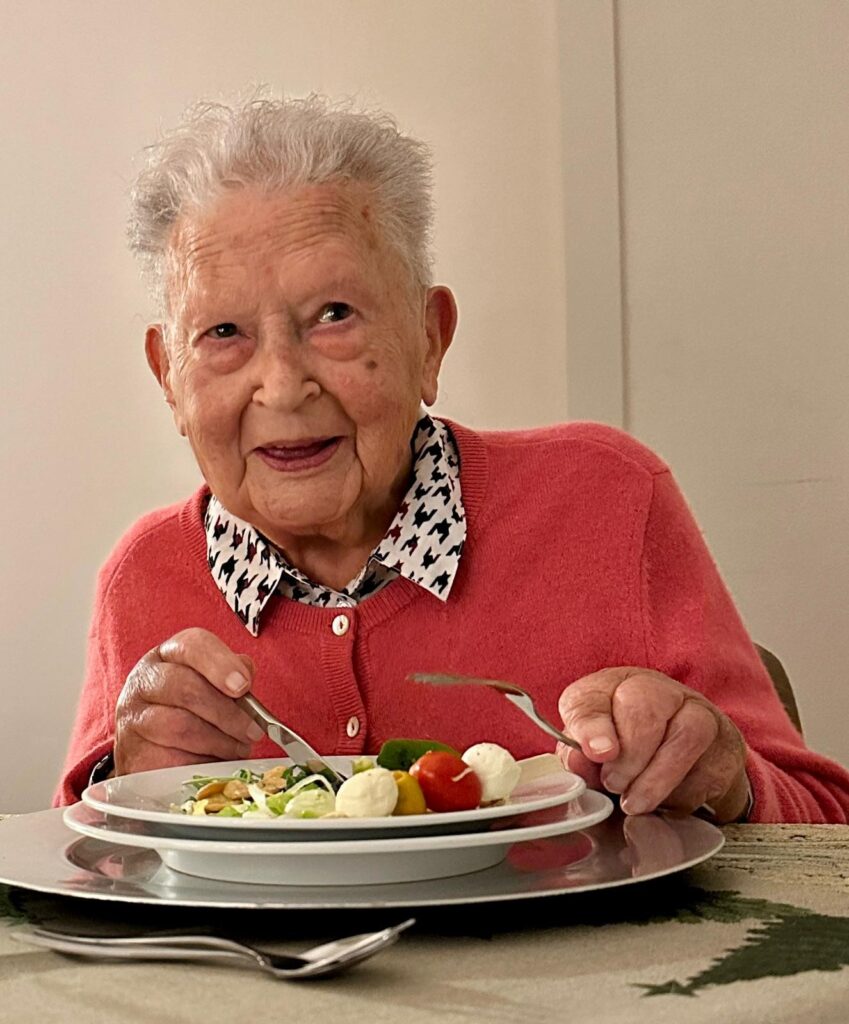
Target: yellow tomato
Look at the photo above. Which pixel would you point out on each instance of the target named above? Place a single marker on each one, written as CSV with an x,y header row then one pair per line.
x,y
410,797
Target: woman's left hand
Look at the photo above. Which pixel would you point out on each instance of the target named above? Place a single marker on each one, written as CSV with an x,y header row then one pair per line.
x,y
656,742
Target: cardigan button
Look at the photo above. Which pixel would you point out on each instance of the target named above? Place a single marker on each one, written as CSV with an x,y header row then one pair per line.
x,y
353,726
340,625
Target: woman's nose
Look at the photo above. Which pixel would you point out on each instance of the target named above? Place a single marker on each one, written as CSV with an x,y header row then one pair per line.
x,y
284,377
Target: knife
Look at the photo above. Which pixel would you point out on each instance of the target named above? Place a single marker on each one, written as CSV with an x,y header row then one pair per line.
x,y
293,745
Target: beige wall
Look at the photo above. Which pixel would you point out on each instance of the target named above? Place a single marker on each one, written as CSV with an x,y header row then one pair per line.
x,y
706,170
717,224
87,445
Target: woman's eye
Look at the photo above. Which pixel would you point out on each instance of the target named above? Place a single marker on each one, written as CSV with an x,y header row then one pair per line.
x,y
223,331
334,312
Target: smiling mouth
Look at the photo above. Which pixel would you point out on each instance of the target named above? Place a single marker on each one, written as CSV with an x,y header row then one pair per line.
x,y
303,455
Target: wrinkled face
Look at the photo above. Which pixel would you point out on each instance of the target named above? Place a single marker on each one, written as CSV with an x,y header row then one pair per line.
x,y
296,358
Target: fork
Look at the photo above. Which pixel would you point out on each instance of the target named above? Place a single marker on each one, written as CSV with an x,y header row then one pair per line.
x,y
328,958
515,694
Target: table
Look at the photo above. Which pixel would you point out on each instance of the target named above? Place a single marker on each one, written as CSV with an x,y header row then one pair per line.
x,y
758,934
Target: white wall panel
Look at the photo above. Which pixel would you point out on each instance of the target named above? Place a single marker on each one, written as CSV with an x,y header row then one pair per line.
x,y
735,156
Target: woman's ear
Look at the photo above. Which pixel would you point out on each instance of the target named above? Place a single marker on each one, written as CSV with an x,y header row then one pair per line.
x,y
159,361
440,324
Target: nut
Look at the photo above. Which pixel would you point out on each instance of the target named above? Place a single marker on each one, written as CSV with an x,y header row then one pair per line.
x,y
272,780
216,803
210,789
236,790
274,786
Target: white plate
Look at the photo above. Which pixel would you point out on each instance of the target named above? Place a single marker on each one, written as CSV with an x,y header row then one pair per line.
x,y
148,796
364,861
38,852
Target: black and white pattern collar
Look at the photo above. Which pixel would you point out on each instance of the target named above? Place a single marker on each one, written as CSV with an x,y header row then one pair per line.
x,y
424,541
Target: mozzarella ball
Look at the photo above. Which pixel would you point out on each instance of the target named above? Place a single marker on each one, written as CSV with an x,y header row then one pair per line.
x,y
369,794
497,769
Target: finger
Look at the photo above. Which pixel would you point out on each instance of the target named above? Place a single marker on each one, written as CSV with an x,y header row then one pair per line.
x,y
689,796
181,687
642,710
176,727
203,651
691,731
586,712
713,775
574,761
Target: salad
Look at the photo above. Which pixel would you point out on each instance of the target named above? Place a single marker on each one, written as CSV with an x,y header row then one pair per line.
x,y
406,777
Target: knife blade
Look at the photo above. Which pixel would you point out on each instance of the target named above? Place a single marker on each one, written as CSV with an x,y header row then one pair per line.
x,y
293,745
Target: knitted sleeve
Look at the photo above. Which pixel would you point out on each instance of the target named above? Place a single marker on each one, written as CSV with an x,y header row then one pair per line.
x,y
134,607
694,634
93,731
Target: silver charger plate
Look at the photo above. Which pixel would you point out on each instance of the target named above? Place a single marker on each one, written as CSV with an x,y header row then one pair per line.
x,y
38,852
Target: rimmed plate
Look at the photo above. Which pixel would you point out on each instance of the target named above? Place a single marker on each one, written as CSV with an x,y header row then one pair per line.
x,y
38,852
149,796
363,861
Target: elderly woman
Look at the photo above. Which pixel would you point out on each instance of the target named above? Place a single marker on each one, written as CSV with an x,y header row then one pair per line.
x,y
343,538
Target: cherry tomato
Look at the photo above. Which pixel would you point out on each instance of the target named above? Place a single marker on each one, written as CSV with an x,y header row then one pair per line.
x,y
447,782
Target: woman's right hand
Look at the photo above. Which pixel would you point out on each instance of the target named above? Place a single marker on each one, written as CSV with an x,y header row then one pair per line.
x,y
177,706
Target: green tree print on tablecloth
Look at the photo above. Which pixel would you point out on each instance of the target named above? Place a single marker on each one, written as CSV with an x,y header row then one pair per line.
x,y
784,940
7,908
787,940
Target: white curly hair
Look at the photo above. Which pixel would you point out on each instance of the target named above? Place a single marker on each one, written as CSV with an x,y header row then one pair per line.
x,y
280,144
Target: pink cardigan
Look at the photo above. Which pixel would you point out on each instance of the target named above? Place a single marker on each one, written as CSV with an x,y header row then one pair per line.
x,y
581,554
